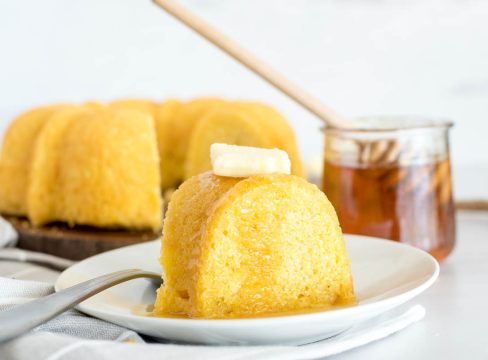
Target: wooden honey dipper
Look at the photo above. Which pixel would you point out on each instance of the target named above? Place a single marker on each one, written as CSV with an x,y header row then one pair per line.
x,y
379,152
249,60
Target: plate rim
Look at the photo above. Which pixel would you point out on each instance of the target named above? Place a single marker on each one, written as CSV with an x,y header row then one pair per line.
x,y
320,315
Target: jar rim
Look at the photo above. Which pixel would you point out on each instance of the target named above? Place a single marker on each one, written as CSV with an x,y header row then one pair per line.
x,y
410,122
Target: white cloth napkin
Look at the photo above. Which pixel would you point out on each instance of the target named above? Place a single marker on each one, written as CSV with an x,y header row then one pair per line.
x,y
73,335
8,235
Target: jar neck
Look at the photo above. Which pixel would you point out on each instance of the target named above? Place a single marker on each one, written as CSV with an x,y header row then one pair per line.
x,y
387,148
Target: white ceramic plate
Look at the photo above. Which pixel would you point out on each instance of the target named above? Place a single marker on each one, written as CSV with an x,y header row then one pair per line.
x,y
386,274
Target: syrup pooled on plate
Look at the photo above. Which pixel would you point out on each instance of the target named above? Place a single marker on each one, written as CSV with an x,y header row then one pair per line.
x,y
148,310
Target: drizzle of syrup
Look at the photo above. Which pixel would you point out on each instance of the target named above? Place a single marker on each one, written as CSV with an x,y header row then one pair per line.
x,y
148,310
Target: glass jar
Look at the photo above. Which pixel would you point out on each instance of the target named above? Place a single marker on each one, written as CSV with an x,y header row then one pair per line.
x,y
392,179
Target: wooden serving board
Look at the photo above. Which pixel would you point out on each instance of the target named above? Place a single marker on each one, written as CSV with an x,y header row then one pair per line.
x,y
74,243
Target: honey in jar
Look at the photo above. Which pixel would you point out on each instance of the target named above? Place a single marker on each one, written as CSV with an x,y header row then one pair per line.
x,y
393,180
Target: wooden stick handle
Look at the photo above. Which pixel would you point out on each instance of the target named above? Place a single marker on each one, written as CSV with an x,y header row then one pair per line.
x,y
254,64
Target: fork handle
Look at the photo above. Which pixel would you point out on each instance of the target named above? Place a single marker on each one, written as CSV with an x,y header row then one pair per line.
x,y
25,317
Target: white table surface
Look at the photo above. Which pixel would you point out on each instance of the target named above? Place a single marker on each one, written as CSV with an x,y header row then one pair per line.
x,y
456,324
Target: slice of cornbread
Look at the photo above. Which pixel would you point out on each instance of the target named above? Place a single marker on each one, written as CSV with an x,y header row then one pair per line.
x,y
236,247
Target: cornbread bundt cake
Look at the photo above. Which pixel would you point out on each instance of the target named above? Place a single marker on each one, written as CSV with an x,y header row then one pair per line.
x,y
43,158
249,124
240,247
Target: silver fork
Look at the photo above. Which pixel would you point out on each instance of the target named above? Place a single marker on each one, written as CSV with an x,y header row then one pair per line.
x,y
25,317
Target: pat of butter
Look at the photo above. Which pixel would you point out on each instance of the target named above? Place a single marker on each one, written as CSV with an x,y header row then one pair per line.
x,y
244,161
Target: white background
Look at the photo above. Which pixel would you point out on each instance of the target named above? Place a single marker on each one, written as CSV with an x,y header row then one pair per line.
x,y
362,57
